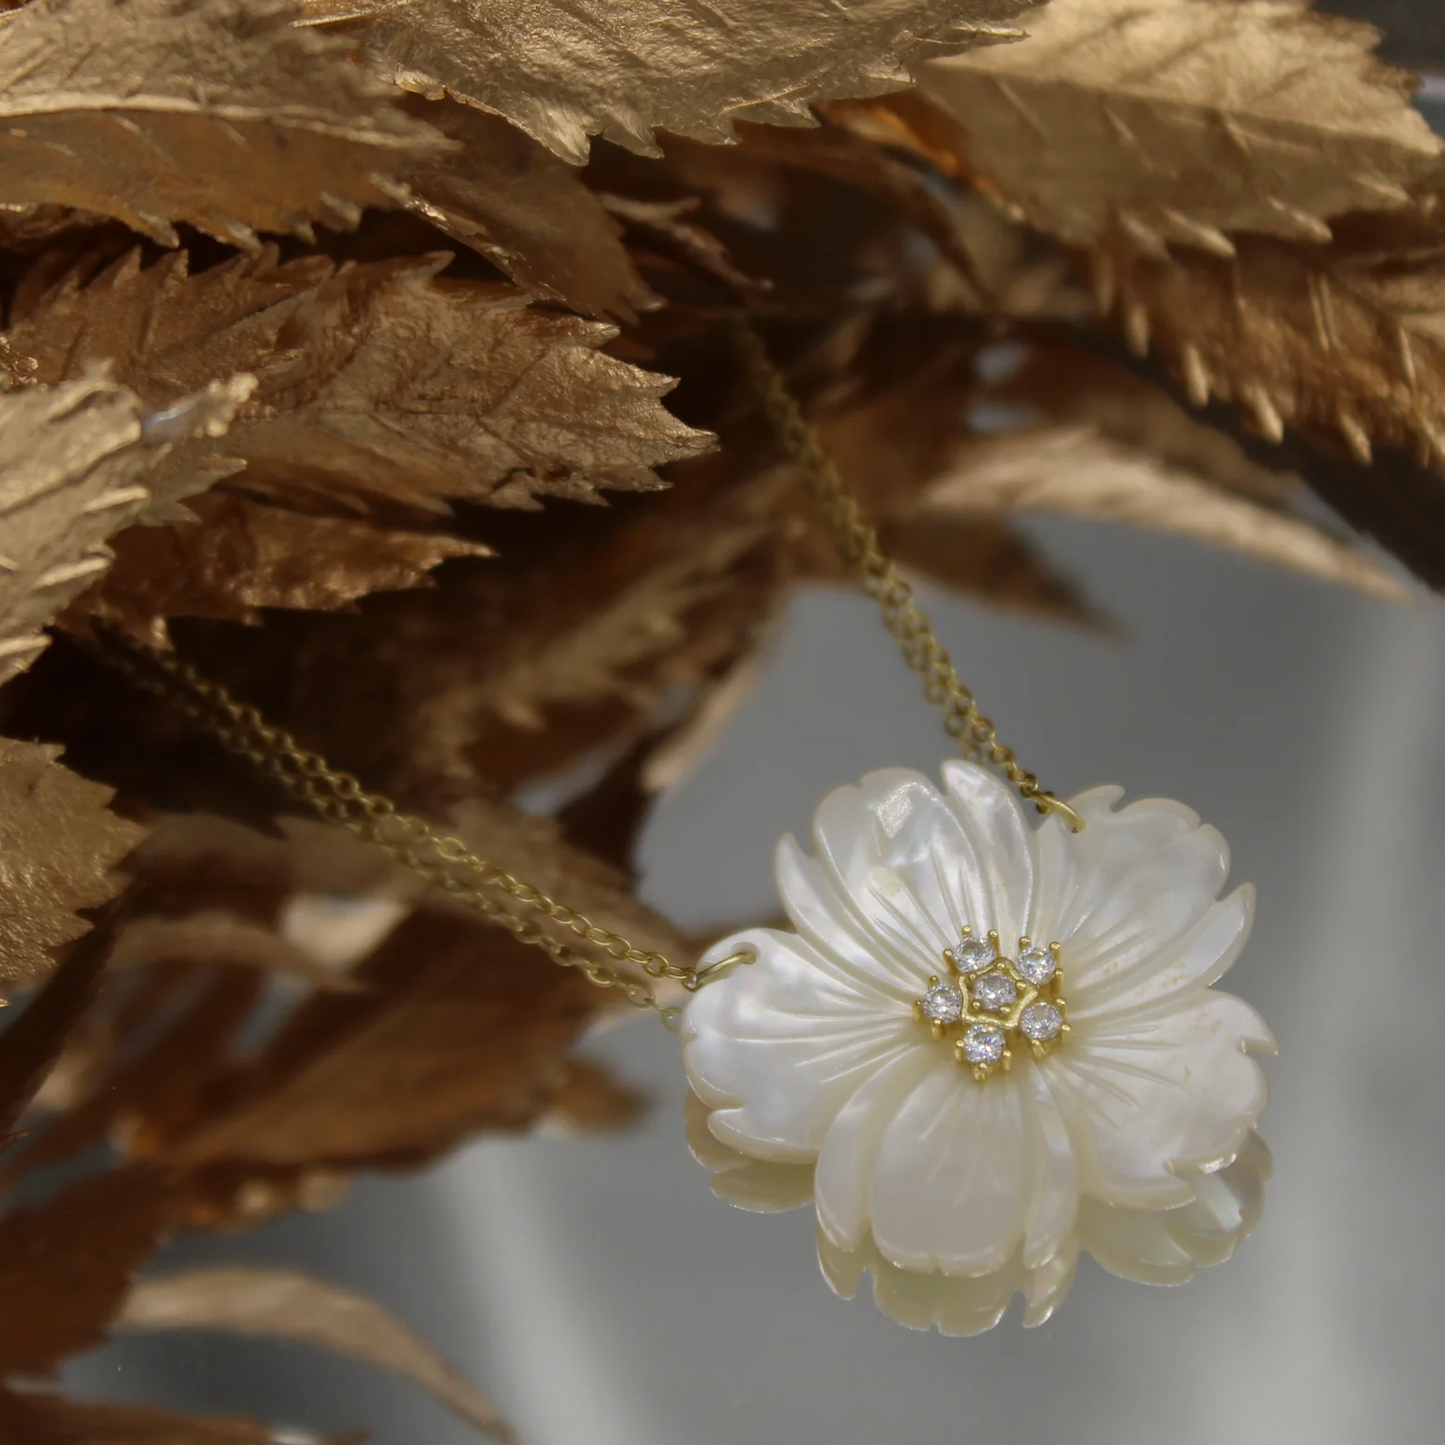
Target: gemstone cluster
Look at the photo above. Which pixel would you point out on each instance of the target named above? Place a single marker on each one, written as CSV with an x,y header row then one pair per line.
x,y
989,1003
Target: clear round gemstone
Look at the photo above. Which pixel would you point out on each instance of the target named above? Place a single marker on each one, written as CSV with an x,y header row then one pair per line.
x,y
943,1004
1037,965
983,1044
975,953
1041,1022
994,991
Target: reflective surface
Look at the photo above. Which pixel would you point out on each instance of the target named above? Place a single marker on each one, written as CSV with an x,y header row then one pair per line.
x,y
605,1297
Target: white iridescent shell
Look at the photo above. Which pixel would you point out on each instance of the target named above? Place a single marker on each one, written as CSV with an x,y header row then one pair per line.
x,y
813,1055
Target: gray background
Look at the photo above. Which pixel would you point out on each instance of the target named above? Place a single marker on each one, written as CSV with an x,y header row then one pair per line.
x,y
603,1297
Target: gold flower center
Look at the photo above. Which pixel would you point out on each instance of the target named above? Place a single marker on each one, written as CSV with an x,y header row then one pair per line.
x,y
988,1003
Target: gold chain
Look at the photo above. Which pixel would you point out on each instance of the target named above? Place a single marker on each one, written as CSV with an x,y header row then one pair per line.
x,y
484,885
441,859
857,542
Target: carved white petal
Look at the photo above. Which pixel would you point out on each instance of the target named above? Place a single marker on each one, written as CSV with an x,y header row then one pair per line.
x,y
846,1165
781,1046
1155,1246
817,907
951,1181
913,869
1053,1203
1147,1093
1193,961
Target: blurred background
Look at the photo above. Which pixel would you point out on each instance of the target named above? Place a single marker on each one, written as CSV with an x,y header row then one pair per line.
x,y
602,1296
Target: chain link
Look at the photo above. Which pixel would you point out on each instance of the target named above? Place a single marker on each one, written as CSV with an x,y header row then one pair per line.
x,y
442,859
858,544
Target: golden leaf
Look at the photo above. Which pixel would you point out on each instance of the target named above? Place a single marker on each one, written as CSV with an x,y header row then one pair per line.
x,y
58,841
527,212
35,1041
286,1305
510,668
242,555
216,113
1076,472
986,559
460,1028
1347,345
213,936
591,1099
77,463
164,331
1185,120
891,446
408,390
566,71
1061,383
376,384
66,1263
449,1026
45,1419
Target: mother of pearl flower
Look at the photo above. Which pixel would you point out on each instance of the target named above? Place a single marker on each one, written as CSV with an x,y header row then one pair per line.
x,y
827,1052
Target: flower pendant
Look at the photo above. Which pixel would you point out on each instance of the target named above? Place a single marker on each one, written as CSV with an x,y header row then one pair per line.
x,y
907,1057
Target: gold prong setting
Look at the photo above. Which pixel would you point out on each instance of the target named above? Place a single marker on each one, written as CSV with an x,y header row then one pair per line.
x,y
989,1005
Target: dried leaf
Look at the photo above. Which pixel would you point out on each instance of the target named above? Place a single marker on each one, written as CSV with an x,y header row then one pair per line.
x,y
1186,120
66,1264
377,385
58,841
1076,472
591,1099
404,389
566,71
892,445
571,637
459,1029
985,559
215,113
1062,383
213,937
164,331
33,1042
1349,347
285,1305
242,555
666,222
183,1038
44,1419
76,464
527,212
837,151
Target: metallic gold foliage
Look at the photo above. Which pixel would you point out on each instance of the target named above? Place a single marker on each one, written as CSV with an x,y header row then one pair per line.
x,y
1077,472
58,842
373,388
404,389
511,199
60,1296
217,114
1346,343
42,1418
566,72
287,1305
1169,263
1187,120
376,383
240,555
76,464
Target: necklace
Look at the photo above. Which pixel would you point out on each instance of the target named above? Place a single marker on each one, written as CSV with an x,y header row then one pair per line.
x,y
983,1047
